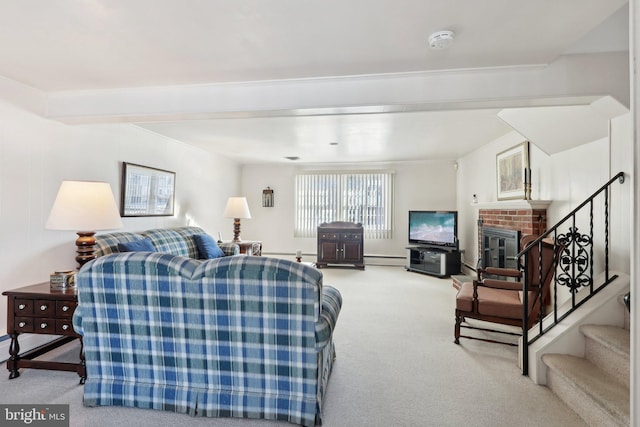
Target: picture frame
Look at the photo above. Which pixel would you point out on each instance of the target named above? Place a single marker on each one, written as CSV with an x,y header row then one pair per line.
x,y
146,191
513,176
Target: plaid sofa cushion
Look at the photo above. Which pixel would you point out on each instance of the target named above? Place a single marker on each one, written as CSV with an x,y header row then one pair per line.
x,y
170,241
174,241
234,336
108,243
188,233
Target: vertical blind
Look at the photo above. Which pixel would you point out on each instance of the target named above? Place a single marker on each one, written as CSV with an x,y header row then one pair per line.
x,y
364,197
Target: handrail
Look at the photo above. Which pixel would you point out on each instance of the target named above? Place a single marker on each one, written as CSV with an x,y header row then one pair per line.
x,y
619,176
572,260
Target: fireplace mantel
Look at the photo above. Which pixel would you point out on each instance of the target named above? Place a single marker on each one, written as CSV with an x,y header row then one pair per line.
x,y
514,204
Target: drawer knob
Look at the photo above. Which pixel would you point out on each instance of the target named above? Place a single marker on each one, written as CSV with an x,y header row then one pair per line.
x,y
65,327
22,324
43,307
21,307
43,325
65,308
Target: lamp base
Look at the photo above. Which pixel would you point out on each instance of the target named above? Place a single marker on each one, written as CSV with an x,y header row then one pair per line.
x,y
85,244
236,230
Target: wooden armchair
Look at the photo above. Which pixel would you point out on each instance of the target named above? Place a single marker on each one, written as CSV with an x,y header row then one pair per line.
x,y
500,300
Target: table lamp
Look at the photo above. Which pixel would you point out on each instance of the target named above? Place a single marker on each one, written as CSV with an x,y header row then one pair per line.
x,y
87,206
237,208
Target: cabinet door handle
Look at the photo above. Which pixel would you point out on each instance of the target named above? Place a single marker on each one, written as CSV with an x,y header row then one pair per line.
x,y
22,324
43,325
43,307
21,307
65,327
65,308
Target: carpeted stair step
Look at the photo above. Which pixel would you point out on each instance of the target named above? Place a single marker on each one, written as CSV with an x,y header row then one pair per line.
x,y
592,393
608,347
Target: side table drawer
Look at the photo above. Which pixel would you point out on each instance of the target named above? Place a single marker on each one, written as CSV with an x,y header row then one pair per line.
x,y
43,325
23,307
44,307
65,308
23,324
64,327
329,236
351,236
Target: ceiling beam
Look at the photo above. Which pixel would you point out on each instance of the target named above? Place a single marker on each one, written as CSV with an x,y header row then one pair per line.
x,y
570,80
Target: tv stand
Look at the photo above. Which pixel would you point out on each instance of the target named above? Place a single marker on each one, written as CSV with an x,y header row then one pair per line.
x,y
439,262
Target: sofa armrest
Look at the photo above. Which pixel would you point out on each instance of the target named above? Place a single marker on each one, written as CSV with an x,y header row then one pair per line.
x,y
77,321
229,248
331,304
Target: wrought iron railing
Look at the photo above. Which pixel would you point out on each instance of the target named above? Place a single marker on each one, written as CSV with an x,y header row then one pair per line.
x,y
574,263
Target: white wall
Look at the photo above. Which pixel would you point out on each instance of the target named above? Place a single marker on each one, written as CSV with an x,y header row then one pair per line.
x,y
418,185
36,154
477,175
566,178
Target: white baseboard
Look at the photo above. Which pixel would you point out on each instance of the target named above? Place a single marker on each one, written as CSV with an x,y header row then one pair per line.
x,y
380,260
389,261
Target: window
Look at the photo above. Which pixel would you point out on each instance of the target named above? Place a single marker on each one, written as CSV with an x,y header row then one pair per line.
x,y
364,197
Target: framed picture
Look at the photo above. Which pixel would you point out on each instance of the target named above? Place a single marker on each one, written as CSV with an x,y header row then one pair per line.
x,y
512,168
147,191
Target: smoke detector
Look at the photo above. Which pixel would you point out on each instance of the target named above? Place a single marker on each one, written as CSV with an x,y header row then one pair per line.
x,y
441,39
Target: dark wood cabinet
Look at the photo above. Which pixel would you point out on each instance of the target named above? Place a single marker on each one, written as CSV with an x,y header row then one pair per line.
x,y
340,243
38,309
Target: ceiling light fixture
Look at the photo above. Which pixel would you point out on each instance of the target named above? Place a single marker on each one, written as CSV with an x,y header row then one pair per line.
x,y
441,39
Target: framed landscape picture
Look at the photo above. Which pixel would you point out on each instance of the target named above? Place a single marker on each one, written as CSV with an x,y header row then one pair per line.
x,y
147,191
512,166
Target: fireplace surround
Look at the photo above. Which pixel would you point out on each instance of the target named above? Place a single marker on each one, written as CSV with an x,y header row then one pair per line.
x,y
506,223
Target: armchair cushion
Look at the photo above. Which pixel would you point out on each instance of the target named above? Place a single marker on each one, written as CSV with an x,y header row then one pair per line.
x,y
491,302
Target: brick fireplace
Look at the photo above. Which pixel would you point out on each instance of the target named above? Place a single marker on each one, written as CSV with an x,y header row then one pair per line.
x,y
525,216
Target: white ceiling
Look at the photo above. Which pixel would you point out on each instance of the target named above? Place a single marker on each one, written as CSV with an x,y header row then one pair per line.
x,y
78,45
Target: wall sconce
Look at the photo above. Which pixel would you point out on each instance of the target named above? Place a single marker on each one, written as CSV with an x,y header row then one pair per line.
x,y
267,198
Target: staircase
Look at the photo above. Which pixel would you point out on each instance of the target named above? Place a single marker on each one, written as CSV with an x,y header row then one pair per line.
x,y
595,386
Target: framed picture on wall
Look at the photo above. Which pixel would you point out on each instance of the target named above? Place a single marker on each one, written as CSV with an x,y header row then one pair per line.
x,y
147,191
512,170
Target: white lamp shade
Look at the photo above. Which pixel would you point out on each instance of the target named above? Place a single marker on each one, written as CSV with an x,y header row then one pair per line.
x,y
84,206
237,207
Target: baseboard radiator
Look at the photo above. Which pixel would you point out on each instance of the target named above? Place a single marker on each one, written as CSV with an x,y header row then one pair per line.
x,y
378,260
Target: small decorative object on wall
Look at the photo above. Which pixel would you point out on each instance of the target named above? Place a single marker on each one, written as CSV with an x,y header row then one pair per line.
x,y
513,173
267,198
147,191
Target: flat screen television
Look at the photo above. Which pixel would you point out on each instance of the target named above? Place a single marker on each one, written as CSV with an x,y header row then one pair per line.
x,y
434,228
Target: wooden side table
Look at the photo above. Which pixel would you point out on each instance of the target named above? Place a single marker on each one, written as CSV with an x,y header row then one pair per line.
x,y
37,309
249,247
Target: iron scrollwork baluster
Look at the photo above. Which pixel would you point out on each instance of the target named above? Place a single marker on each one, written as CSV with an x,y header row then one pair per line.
x,y
574,260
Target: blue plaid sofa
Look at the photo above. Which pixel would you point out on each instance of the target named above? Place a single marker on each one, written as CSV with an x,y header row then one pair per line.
x,y
238,336
175,241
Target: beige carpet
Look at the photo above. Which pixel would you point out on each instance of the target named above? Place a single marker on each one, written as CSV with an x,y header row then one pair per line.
x,y
396,366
